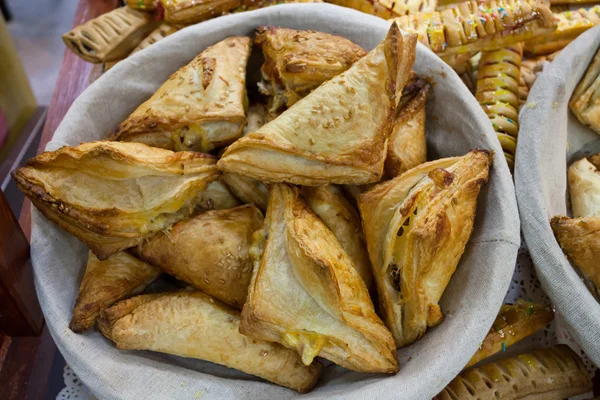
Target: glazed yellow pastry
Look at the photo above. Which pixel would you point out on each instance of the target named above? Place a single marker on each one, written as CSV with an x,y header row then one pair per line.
x,y
105,283
188,12
306,294
158,34
388,8
498,94
479,25
513,323
144,5
298,61
111,36
585,102
555,373
113,195
209,251
340,216
407,147
570,25
417,226
336,134
200,107
217,196
194,325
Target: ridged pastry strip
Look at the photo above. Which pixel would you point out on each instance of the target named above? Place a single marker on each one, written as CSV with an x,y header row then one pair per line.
x,y
498,94
158,34
547,374
478,26
570,25
388,8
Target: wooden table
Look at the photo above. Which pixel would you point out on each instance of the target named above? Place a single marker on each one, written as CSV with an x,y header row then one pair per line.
x,y
27,361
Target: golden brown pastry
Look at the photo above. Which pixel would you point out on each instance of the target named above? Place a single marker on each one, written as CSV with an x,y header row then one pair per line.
x,y
417,226
407,147
249,5
144,5
158,34
336,134
105,283
200,107
248,190
555,373
479,25
113,195
388,8
585,102
188,12
297,62
306,295
217,196
111,36
584,186
209,251
513,323
571,23
340,216
193,324
257,116
498,94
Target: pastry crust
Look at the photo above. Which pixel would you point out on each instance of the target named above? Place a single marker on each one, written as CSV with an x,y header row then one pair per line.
x,y
345,125
157,35
580,240
340,216
417,226
105,283
407,147
144,5
111,36
188,12
479,25
200,107
514,323
248,190
193,324
209,251
113,195
217,196
585,101
554,373
584,185
387,9
306,295
298,61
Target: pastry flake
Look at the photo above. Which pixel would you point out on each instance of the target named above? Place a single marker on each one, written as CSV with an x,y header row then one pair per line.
x,y
417,226
209,251
336,134
479,25
298,61
200,107
585,102
552,373
113,195
340,216
105,283
111,36
188,12
306,295
194,325
514,323
407,147
584,186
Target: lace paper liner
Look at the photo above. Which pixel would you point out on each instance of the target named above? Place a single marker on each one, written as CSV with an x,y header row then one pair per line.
x,y
524,286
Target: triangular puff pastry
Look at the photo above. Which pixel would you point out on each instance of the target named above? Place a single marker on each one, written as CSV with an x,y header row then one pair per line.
x,y
105,283
200,107
417,226
306,295
209,251
336,134
193,324
297,62
113,195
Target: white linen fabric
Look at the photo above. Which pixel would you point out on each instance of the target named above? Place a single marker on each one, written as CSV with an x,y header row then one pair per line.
x,y
550,139
456,124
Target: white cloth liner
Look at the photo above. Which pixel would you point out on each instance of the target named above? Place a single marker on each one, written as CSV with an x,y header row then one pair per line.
x,y
456,124
550,139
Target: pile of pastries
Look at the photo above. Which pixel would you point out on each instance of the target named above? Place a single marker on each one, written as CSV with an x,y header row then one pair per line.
x,y
276,211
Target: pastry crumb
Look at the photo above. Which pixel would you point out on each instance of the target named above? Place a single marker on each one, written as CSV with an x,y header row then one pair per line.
x,y
555,105
531,104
